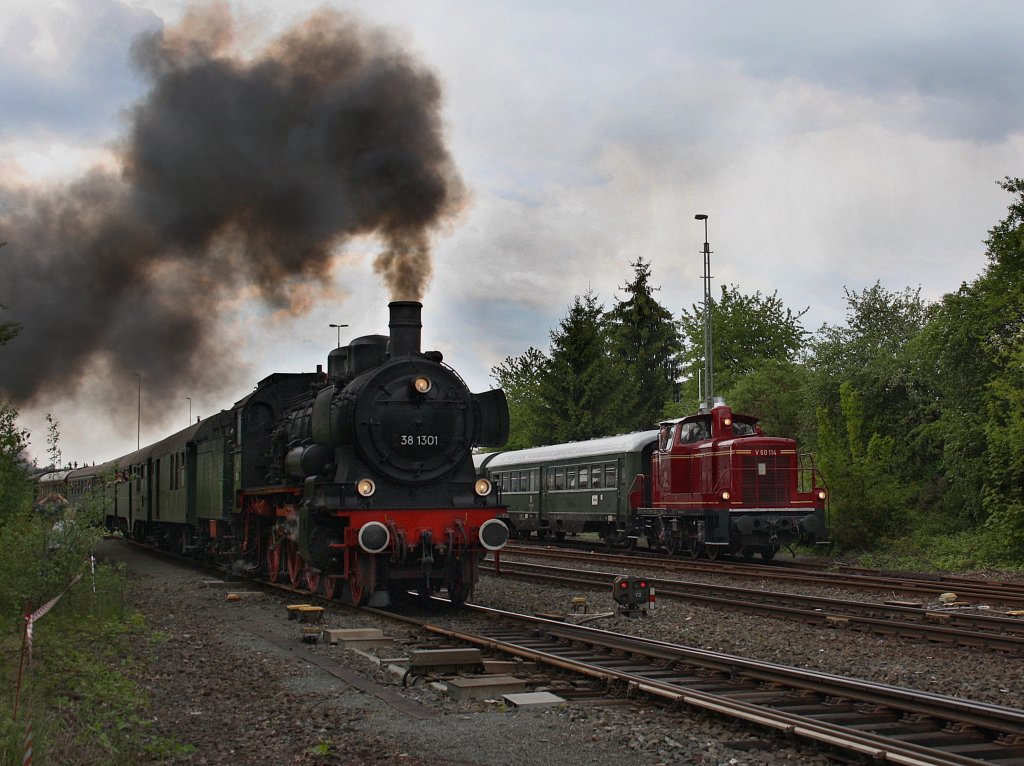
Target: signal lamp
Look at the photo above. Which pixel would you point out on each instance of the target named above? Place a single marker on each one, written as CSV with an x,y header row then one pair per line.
x,y
422,384
366,487
482,487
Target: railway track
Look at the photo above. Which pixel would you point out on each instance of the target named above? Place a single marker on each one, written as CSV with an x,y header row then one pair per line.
x,y
882,722
872,720
966,629
921,585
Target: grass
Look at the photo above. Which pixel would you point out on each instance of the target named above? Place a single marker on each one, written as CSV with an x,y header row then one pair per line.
x,y
86,706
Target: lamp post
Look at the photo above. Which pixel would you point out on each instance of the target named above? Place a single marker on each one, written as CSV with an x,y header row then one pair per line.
x,y
138,429
189,409
339,326
709,366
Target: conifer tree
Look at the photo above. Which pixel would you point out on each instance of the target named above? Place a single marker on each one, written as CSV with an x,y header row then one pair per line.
x,y
585,390
645,338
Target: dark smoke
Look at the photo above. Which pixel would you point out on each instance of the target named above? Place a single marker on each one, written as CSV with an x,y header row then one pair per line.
x,y
240,173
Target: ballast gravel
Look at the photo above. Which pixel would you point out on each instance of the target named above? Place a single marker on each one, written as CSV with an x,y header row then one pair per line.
x,y
230,696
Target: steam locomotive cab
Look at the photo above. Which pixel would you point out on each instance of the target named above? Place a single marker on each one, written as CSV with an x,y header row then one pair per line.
x,y
719,484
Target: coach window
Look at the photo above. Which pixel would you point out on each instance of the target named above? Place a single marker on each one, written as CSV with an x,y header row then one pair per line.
x,y
550,473
595,477
524,482
535,480
584,477
611,478
570,478
559,478
515,481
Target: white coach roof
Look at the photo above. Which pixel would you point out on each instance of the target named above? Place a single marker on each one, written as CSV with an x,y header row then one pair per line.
x,y
607,445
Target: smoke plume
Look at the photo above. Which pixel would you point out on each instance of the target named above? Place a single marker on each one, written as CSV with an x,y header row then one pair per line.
x,y
239,174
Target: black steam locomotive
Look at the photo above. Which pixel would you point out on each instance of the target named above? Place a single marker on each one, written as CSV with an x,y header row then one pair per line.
x,y
361,477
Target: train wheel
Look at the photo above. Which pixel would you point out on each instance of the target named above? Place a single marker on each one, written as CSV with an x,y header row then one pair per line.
x,y
748,553
691,548
671,543
768,552
461,587
273,562
294,562
362,580
312,579
711,551
330,581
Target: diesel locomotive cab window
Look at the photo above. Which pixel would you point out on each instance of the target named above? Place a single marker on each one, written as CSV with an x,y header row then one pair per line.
x,y
696,431
742,429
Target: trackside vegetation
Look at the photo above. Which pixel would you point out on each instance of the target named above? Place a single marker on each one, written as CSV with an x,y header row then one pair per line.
x,y
914,410
78,691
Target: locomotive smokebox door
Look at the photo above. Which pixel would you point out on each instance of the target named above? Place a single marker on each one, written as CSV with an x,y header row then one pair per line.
x,y
631,594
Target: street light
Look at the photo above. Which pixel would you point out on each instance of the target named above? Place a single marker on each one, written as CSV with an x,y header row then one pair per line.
x,y
138,430
339,326
709,366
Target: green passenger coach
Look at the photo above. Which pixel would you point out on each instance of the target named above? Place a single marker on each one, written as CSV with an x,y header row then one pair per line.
x,y
573,488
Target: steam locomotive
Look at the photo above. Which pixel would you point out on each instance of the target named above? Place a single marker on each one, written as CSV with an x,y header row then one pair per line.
x,y
361,477
707,484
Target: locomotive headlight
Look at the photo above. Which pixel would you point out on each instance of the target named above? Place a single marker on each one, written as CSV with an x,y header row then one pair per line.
x,y
821,494
726,495
727,421
422,384
366,487
482,487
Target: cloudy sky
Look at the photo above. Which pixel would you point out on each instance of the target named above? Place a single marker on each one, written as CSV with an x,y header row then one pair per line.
x,y
831,144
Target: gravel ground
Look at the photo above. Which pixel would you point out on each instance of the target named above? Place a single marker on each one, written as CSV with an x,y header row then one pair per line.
x,y
242,698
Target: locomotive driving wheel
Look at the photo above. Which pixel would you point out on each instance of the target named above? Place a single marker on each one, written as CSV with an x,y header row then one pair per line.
x,y
690,547
670,543
329,581
362,579
312,579
273,560
294,561
460,583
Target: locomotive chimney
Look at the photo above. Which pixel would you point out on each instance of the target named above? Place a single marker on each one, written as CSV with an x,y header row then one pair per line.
x,y
405,327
